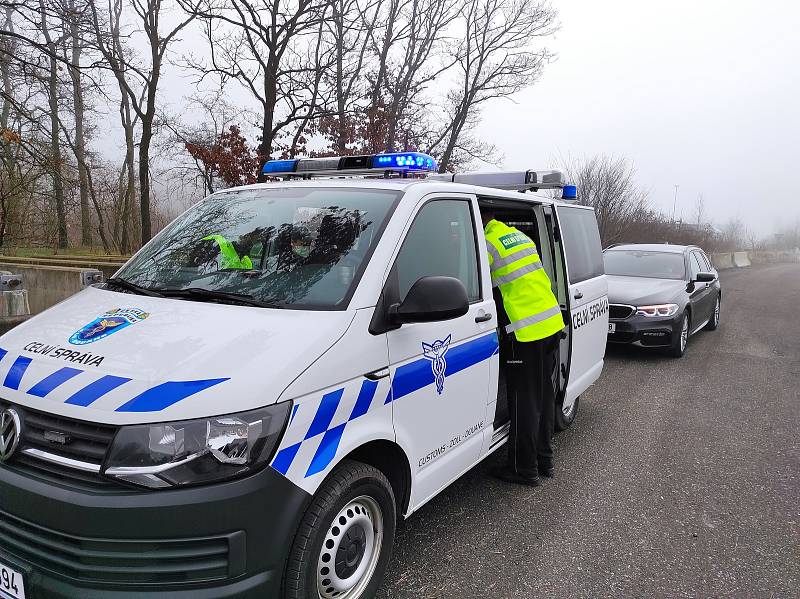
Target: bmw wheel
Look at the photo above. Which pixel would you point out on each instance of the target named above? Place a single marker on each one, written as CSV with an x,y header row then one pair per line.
x,y
345,538
714,322
679,342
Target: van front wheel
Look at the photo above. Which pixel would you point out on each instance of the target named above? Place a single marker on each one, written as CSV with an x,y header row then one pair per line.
x,y
345,538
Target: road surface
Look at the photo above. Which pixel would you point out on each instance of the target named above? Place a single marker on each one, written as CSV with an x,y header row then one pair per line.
x,y
679,478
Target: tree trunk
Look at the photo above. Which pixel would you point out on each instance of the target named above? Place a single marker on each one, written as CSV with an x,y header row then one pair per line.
x,y
268,119
144,178
55,143
80,139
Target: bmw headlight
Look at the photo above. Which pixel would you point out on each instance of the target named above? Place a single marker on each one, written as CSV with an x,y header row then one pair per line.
x,y
192,452
657,310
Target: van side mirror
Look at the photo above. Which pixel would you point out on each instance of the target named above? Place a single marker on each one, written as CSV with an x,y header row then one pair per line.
x,y
431,299
705,277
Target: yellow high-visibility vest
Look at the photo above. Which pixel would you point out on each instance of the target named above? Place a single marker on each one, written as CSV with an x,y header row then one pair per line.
x,y
516,268
229,255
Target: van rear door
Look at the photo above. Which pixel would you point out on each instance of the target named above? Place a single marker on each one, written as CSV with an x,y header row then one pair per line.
x,y
587,297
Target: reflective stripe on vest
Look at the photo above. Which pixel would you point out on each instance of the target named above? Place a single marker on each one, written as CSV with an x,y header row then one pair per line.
x,y
532,309
532,267
536,318
501,262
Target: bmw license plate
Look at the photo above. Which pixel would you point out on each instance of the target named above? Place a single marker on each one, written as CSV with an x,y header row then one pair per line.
x,y
11,583
612,327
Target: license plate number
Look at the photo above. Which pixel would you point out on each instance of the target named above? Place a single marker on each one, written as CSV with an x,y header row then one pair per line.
x,y
612,327
11,583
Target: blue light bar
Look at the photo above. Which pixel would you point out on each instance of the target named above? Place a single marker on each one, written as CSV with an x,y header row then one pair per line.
x,y
409,161
569,192
279,166
338,166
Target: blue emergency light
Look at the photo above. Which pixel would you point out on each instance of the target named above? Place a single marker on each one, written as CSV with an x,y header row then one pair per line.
x,y
569,192
351,165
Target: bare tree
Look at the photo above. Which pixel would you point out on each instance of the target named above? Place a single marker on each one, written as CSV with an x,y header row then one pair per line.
x,y
495,59
410,58
272,50
608,184
74,34
139,82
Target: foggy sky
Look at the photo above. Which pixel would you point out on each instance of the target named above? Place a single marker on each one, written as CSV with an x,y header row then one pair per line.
x,y
702,94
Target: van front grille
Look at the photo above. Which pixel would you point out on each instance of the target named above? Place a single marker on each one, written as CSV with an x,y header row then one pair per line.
x,y
63,450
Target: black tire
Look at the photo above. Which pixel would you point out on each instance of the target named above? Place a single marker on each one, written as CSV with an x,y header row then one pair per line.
x,y
713,324
562,420
680,341
351,487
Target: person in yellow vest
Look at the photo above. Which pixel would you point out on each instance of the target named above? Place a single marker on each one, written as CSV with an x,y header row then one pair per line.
x,y
531,324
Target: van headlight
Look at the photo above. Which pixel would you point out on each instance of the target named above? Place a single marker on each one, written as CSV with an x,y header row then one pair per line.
x,y
657,310
192,452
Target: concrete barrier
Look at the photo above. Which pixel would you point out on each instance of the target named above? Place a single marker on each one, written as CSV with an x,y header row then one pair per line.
x,y
741,259
722,261
9,322
48,285
108,268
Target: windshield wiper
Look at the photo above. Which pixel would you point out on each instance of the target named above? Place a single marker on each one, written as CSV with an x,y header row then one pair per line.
x,y
133,287
209,294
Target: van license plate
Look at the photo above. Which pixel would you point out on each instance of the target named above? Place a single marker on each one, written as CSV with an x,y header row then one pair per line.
x,y
11,584
612,327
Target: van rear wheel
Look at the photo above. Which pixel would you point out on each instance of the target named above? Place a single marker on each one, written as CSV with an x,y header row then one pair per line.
x,y
345,538
565,416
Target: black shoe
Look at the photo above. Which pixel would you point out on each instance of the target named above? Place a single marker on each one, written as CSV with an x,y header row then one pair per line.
x,y
547,472
509,476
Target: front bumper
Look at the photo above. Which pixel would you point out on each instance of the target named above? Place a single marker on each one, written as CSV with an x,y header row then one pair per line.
x,y
646,331
225,540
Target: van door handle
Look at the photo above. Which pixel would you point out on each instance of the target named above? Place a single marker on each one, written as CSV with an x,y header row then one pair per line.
x,y
578,295
483,317
377,375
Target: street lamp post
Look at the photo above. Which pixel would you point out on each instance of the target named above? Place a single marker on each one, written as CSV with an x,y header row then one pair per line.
x,y
674,203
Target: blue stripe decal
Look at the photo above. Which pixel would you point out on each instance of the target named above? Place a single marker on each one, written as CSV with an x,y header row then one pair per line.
x,y
47,384
418,374
285,457
14,376
166,394
325,411
294,411
326,450
94,391
364,400
2,353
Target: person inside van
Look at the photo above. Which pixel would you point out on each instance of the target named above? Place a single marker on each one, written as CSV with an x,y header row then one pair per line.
x,y
530,327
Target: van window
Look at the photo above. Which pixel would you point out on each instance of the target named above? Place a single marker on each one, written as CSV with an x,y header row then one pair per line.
x,y
296,247
441,242
582,243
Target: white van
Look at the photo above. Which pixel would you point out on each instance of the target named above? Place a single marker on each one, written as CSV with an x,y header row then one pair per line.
x,y
250,404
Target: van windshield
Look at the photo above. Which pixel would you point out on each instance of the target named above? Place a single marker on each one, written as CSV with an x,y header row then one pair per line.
x,y
304,247
635,263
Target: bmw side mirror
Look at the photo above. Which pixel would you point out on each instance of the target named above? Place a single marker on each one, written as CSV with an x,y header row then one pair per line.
x,y
431,299
705,277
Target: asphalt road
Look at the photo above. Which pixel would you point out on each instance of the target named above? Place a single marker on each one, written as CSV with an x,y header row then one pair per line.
x,y
679,478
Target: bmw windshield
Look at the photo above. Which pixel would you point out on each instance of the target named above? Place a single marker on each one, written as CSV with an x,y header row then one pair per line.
x,y
635,263
301,247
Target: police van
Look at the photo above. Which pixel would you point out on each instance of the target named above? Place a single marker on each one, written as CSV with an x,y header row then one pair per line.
x,y
249,406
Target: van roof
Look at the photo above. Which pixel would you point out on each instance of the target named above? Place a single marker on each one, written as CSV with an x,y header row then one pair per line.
x,y
400,184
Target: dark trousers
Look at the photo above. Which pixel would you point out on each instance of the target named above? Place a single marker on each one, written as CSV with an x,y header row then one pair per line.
x,y
531,369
